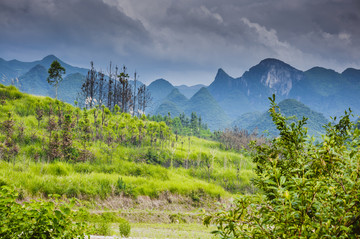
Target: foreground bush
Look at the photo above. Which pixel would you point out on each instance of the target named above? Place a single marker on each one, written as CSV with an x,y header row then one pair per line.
x,y
124,228
36,219
309,190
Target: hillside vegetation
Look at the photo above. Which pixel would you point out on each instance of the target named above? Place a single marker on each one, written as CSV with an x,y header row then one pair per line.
x,y
308,189
50,147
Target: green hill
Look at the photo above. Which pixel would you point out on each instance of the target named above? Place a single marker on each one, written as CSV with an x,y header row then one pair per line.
x,y
176,97
70,87
168,107
206,106
54,148
174,103
159,89
246,120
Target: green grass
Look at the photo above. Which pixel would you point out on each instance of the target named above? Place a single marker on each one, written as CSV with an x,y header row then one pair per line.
x,y
154,177
63,179
196,167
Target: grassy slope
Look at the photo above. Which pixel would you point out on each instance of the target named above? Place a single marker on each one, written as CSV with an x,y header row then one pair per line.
x,y
151,195
100,178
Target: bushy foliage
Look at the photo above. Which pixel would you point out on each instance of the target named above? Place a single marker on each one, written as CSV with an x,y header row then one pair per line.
x,y
124,228
308,190
37,219
66,132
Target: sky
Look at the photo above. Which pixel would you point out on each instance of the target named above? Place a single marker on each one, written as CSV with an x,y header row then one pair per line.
x,y
183,41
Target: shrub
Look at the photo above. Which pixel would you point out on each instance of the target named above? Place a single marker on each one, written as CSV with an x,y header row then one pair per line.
x,y
37,219
58,169
152,157
124,228
2,181
309,190
101,228
121,186
177,218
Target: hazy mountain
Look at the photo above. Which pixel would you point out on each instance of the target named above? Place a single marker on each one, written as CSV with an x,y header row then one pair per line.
x,y
167,107
158,89
175,96
221,85
352,75
70,87
14,68
227,91
323,90
244,121
290,107
270,76
31,77
204,104
34,82
250,91
328,91
227,97
189,91
46,62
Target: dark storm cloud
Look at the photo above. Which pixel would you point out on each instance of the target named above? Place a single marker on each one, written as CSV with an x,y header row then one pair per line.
x,y
303,33
82,27
186,39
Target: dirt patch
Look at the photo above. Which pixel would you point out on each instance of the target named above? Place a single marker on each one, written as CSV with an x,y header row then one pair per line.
x,y
165,201
167,208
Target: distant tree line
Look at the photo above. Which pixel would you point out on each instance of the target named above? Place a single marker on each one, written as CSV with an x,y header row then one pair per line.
x,y
115,91
184,125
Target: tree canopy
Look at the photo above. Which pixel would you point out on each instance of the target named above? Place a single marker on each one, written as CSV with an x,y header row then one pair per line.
x,y
307,189
55,75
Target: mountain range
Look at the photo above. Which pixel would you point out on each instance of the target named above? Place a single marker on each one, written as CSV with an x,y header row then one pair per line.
x,y
242,99
31,77
226,101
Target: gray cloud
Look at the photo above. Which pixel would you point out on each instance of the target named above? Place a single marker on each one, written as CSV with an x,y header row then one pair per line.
x,y
74,29
185,40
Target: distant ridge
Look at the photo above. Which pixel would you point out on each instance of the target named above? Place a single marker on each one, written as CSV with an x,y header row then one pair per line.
x,y
227,99
189,91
